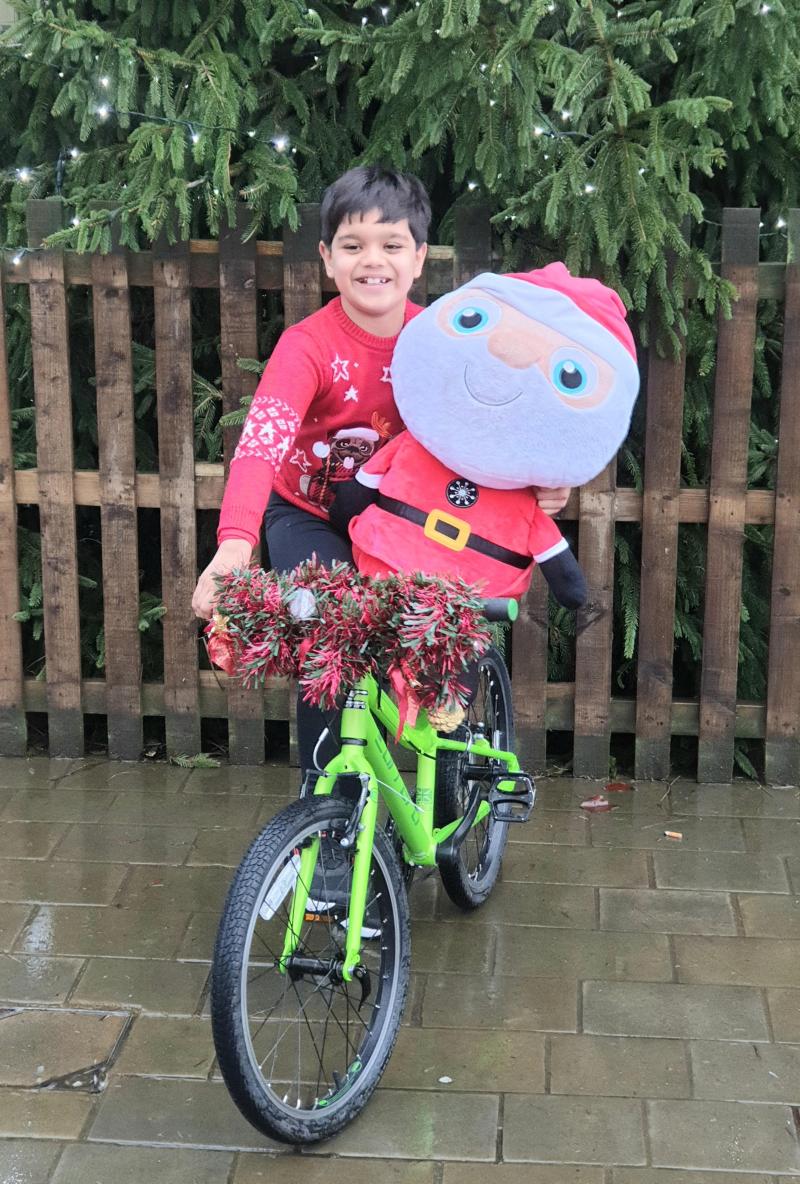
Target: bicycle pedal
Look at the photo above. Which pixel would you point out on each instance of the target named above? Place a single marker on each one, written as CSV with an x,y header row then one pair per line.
x,y
512,805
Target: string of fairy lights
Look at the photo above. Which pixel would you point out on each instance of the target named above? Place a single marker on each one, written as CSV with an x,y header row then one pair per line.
x,y
279,141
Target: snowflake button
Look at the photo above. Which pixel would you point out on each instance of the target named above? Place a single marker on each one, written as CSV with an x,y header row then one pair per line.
x,y
461,492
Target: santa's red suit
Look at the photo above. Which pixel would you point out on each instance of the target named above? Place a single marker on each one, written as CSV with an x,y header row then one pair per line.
x,y
430,519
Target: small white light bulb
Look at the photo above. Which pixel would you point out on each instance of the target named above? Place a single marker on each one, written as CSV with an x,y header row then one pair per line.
x,y
565,115
103,111
76,221
538,131
17,260
24,174
74,153
280,143
472,185
589,188
780,224
104,81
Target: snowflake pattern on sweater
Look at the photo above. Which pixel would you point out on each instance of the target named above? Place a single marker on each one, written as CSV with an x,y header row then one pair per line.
x,y
269,431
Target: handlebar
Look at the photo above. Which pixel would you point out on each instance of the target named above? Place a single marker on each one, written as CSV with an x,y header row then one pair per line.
x,y
501,608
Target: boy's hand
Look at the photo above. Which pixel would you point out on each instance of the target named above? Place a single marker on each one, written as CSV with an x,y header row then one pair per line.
x,y
230,554
552,500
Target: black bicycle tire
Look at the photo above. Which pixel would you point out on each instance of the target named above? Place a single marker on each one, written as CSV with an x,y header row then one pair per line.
x,y
250,1097
464,891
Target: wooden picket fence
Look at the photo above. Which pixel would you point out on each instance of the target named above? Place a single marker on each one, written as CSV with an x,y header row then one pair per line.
x,y
181,487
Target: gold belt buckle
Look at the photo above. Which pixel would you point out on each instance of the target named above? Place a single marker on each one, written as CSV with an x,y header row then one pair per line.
x,y
432,530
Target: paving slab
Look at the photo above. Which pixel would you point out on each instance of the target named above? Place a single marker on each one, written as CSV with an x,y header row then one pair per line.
x,y
745,1072
57,804
583,954
159,1046
263,1169
723,1136
184,888
37,1044
555,905
551,1129
770,916
500,1003
772,836
723,871
784,1010
664,911
473,1061
38,882
159,987
12,922
564,793
85,1163
513,1173
174,1111
671,1176
157,808
27,1161
618,829
619,1066
124,775
674,1010
35,979
32,772
71,929
259,780
734,801
223,848
759,961
407,1124
30,840
539,864
550,826
102,843
43,1114
454,948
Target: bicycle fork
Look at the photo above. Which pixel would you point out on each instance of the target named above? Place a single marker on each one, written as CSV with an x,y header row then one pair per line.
x,y
360,834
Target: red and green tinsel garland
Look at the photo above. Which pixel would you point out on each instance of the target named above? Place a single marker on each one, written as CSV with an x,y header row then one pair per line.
x,y
418,632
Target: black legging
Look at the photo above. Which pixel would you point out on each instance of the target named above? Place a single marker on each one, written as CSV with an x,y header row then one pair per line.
x,y
293,535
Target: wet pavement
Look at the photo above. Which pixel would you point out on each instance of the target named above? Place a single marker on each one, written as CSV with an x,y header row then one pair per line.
x,y
624,1010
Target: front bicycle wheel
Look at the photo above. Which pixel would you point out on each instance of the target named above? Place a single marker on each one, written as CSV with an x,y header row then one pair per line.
x,y
300,1048
470,877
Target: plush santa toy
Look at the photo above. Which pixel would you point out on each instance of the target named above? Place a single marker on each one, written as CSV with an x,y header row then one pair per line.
x,y
509,382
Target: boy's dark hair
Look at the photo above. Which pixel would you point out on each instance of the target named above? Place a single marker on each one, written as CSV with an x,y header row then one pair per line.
x,y
369,187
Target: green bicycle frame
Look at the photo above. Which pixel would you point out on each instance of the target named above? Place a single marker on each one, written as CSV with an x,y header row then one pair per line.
x,y
365,754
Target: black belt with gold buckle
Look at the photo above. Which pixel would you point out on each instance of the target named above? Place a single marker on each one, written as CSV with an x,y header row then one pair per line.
x,y
453,533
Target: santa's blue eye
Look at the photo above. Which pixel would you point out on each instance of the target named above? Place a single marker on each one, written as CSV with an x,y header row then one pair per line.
x,y
470,319
571,375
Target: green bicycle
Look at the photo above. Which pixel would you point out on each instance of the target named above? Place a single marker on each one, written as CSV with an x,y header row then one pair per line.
x,y
312,958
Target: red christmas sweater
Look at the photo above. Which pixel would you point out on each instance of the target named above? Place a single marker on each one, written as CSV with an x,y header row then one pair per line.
x,y
455,511
323,407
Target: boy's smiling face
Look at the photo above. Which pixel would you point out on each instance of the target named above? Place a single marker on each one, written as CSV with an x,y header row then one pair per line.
x,y
373,265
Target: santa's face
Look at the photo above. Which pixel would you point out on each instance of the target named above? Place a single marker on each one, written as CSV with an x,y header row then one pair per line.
x,y
512,385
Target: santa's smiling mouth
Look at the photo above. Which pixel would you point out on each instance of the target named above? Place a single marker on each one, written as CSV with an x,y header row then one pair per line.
x,y
491,397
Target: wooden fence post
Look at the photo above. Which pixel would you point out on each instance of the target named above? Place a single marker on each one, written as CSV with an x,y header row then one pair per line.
x,y
302,295
782,751
592,739
13,727
726,512
55,465
173,327
238,316
117,464
662,470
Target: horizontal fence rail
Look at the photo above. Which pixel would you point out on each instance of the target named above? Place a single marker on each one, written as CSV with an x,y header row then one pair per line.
x,y
239,271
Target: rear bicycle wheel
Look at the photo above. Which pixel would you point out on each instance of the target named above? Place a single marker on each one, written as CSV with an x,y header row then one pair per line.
x,y
469,879
300,1049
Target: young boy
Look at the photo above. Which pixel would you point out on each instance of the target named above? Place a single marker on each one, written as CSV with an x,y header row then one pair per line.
x,y
324,404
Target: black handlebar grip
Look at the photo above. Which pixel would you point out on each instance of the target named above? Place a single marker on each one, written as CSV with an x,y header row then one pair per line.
x,y
501,608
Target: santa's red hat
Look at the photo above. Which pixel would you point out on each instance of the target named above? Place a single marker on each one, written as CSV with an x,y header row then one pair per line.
x,y
597,300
